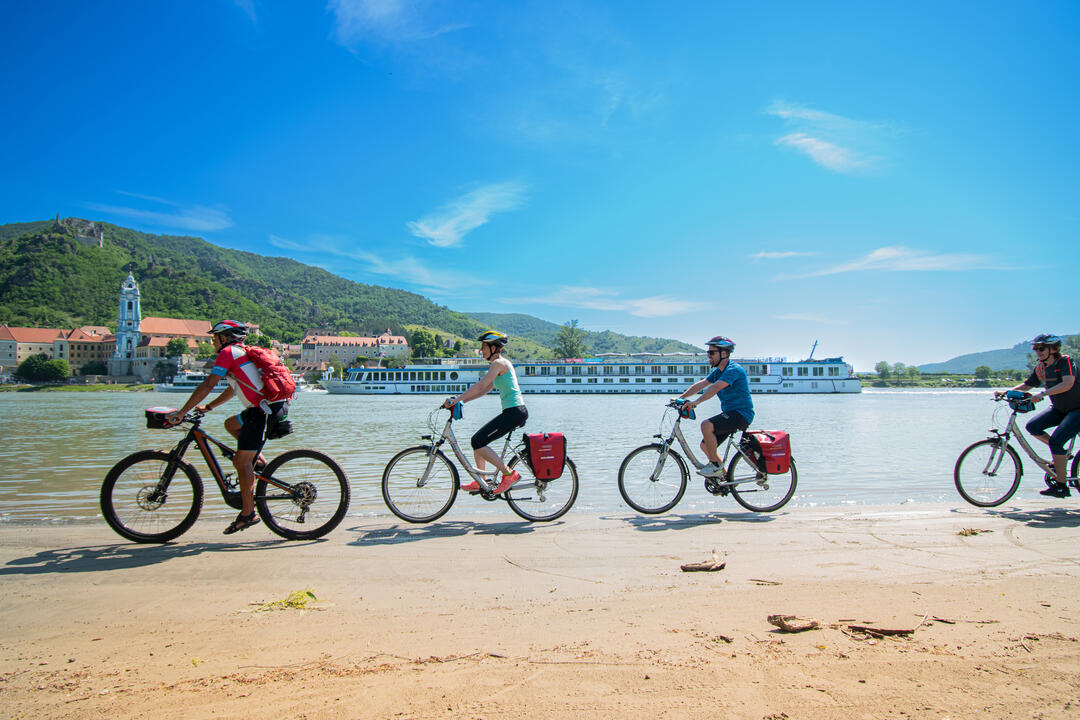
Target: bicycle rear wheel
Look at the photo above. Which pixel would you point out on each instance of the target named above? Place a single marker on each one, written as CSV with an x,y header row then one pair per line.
x,y
651,480
140,505
419,487
987,473
757,491
315,502
540,500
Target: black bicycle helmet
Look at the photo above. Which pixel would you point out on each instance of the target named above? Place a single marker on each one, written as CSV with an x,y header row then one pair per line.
x,y
230,329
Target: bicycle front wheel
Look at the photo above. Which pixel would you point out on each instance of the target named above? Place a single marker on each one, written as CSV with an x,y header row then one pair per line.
x,y
757,491
539,500
987,473
419,486
142,503
652,480
313,503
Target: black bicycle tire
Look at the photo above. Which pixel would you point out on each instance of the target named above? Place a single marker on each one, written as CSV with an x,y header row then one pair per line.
x,y
426,450
740,495
108,506
271,520
1018,473
684,479
570,468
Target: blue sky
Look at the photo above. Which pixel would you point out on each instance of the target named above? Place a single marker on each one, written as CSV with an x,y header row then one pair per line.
x,y
897,181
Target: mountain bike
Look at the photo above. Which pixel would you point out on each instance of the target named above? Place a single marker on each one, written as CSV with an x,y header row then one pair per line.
x,y
653,478
420,483
154,496
988,472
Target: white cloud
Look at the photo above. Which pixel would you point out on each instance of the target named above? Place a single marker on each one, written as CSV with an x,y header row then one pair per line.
x,y
824,153
195,218
609,300
835,142
448,225
406,268
902,259
386,21
781,255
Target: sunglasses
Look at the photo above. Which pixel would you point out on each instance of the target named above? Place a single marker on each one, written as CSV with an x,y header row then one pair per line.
x,y
1039,348
712,352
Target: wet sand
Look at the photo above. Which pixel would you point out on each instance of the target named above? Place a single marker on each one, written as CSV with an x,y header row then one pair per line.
x,y
489,617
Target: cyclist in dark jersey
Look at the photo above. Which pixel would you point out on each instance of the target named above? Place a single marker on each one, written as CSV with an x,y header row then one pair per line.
x,y
1057,374
501,377
729,381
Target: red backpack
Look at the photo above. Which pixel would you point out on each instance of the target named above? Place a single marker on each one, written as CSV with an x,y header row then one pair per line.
x,y
546,453
775,450
278,383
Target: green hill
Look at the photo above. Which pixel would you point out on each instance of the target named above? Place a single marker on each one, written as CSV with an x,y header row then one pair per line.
x,y
1014,358
51,276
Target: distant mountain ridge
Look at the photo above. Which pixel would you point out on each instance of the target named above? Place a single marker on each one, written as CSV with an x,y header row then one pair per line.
x,y
605,341
1014,358
52,275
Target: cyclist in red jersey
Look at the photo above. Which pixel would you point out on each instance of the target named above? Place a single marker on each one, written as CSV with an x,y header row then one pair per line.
x,y
248,426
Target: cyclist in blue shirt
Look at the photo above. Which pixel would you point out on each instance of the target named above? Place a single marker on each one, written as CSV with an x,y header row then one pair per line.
x,y
729,381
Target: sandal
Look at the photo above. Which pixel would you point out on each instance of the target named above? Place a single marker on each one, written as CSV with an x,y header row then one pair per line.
x,y
242,522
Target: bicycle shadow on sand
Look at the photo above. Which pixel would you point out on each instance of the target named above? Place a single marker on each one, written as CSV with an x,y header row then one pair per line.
x,y
1048,518
683,521
96,558
403,533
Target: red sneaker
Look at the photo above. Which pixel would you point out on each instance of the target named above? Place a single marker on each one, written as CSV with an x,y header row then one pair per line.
x,y
508,482
471,487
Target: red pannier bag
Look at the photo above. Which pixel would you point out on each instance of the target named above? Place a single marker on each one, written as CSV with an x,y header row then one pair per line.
x,y
278,383
775,450
546,453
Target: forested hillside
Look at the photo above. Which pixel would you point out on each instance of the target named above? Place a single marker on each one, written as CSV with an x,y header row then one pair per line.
x,y
606,341
49,276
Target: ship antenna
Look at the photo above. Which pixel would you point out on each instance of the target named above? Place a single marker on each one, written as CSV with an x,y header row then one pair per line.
x,y
812,349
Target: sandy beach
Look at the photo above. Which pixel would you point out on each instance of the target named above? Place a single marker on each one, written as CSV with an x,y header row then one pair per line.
x,y
488,617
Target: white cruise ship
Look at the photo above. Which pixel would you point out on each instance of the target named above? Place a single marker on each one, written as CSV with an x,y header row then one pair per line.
x,y
186,382
611,373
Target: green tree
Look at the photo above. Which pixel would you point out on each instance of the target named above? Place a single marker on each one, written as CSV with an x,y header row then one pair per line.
x,y
55,370
570,341
31,368
95,368
982,372
206,350
163,371
339,367
261,340
883,369
422,343
176,347
913,373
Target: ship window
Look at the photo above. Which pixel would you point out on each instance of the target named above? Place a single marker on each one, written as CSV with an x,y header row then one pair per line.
x,y
624,370
672,370
640,380
442,375
544,370
819,371
607,380
803,371
786,371
592,370
608,370
639,370
592,380
657,379
560,371
624,380
755,379
575,380
560,380
453,376
834,371
656,369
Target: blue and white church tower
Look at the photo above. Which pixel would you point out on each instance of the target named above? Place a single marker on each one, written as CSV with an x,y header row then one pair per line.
x,y
127,328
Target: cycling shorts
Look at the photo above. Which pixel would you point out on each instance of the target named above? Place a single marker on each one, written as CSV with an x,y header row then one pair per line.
x,y
504,423
1068,426
252,421
727,423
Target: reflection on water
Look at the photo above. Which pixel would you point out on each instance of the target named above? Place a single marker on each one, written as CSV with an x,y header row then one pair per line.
x,y
883,446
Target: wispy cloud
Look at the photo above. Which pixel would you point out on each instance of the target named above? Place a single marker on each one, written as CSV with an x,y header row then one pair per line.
x,y
406,268
780,255
448,225
248,6
835,142
806,318
386,21
195,218
609,300
897,258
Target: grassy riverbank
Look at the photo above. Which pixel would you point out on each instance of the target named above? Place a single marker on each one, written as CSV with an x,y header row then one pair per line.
x,y
76,388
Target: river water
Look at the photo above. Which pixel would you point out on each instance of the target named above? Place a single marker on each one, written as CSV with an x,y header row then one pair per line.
x,y
880,447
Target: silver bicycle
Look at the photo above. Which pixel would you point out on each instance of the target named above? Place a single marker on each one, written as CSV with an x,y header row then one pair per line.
x,y
420,483
653,478
988,472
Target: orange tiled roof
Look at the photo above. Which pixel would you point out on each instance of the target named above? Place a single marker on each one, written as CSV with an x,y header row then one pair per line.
x,y
341,340
174,326
80,335
31,335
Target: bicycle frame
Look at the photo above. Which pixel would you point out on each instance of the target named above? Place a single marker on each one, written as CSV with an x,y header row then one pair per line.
x,y
487,488
677,434
204,442
1003,437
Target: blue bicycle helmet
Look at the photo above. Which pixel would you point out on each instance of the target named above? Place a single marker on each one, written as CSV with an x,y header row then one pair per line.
x,y
721,342
1046,339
